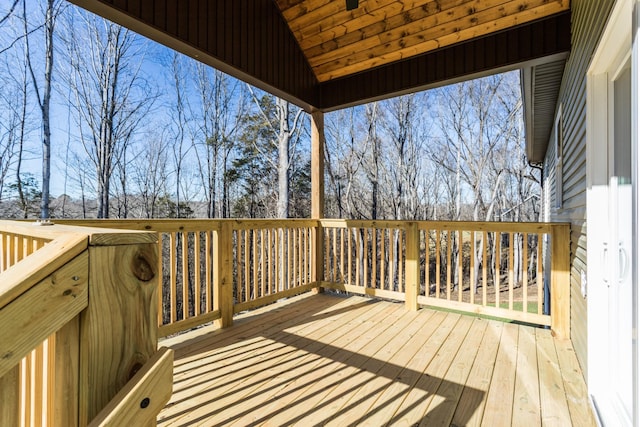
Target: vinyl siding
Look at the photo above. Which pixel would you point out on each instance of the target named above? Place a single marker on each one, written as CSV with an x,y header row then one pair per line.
x,y
587,22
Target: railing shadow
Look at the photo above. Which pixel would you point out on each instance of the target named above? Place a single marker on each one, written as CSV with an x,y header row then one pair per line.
x,y
195,409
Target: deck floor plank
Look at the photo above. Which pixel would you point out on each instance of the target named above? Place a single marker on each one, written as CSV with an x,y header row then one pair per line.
x,y
209,371
526,399
256,371
574,385
357,373
418,399
324,350
499,404
354,361
553,399
472,402
380,372
443,405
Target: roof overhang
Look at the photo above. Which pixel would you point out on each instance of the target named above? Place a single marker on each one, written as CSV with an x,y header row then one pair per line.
x,y
540,84
320,56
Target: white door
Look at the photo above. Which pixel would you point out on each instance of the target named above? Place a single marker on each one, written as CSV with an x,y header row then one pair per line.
x,y
619,244
610,217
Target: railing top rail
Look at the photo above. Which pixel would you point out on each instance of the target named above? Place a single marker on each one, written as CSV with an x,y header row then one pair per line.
x,y
64,243
525,227
168,225
22,276
98,232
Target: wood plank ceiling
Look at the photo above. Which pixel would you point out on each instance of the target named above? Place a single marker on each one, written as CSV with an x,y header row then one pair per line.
x,y
338,43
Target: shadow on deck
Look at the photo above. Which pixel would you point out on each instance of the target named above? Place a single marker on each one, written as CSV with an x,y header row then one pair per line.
x,y
330,360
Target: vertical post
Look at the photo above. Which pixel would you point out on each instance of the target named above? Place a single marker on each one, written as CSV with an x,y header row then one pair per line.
x,y
10,392
118,329
317,194
412,267
560,281
223,274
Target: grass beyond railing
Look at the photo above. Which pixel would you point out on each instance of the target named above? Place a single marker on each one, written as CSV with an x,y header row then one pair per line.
x,y
212,269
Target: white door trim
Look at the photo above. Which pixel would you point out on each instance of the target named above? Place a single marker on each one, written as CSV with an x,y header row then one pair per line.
x,y
612,53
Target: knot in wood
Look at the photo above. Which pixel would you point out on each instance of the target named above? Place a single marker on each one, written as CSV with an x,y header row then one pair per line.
x,y
142,269
134,369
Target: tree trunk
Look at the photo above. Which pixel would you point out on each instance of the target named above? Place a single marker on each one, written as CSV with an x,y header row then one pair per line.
x,y
284,138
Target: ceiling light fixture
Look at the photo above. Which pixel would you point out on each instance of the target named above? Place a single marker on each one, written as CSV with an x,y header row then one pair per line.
x,y
352,4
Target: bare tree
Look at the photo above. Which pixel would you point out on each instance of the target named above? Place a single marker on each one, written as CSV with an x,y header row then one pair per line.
x,y
220,116
43,92
111,95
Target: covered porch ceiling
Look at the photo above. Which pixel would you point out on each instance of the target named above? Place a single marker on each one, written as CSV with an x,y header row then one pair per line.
x,y
323,57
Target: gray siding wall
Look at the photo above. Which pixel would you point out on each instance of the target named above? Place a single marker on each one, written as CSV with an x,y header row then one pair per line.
x,y
587,22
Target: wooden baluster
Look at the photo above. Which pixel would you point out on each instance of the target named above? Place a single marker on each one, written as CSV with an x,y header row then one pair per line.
x,y
173,274
335,276
197,263
498,256
64,401
412,260
10,392
485,242
247,267
161,289
539,274
349,257
525,272
383,261
449,260
427,262
238,263
209,270
185,274
254,281
460,272
401,282
472,268
374,258
511,268
438,249
263,265
358,244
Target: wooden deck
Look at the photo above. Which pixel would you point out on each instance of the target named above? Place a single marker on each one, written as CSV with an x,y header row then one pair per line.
x,y
324,359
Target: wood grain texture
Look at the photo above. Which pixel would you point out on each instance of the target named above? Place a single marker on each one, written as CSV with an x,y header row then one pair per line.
x,y
138,403
10,392
327,360
23,275
64,399
119,327
337,42
42,310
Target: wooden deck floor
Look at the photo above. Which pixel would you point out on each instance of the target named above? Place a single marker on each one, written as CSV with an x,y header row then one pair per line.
x,y
328,360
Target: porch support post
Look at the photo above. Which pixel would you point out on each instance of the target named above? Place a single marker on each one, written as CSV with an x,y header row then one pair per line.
x,y
560,281
412,266
317,193
118,329
223,274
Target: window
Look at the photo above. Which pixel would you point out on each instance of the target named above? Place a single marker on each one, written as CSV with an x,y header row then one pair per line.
x,y
559,140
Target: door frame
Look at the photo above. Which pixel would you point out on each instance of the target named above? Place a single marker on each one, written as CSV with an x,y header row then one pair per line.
x,y
614,49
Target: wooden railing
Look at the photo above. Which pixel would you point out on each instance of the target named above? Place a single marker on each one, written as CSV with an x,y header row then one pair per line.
x,y
78,335
228,266
81,308
486,268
